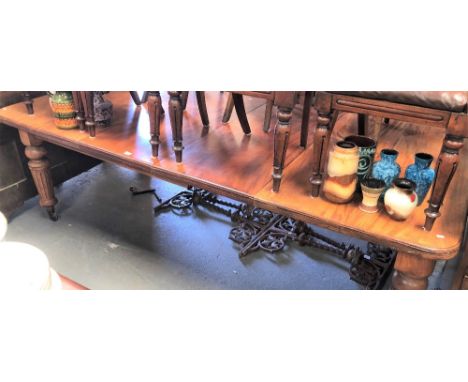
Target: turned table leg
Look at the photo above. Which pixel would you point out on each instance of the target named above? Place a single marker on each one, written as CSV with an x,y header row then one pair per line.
x,y
411,272
39,166
446,166
155,112
202,109
175,114
28,102
282,131
325,124
228,109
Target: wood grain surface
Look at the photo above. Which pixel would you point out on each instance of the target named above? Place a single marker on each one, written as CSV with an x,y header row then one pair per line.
x,y
223,160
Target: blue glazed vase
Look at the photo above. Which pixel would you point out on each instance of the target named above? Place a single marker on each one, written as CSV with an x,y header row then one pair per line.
x,y
421,174
386,168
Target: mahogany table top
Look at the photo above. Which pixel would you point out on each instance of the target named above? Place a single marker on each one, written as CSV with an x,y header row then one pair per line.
x,y
225,161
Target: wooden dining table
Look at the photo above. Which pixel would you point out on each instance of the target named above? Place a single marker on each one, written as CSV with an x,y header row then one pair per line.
x,y
225,161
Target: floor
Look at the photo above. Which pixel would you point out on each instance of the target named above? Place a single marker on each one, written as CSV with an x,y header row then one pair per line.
x,y
108,239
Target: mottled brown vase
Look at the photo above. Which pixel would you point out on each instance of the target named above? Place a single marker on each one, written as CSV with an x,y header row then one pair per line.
x,y
341,178
401,199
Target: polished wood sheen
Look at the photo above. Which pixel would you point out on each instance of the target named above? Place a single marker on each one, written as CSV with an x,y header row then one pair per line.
x,y
411,272
226,161
40,170
454,123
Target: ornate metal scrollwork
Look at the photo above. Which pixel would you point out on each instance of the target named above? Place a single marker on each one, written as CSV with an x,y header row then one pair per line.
x,y
258,229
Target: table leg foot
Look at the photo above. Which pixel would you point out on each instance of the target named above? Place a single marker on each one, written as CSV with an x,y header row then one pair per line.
x,y
411,271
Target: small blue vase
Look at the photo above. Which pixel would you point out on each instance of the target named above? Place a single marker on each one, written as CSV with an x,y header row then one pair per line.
x,y
421,174
386,168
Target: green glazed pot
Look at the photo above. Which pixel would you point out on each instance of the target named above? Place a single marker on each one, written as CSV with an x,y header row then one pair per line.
x,y
63,108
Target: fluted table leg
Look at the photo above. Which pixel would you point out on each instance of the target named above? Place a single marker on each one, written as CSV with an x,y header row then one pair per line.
x,y
411,272
39,166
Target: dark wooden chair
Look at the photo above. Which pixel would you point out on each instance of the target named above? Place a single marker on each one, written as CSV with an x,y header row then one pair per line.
x,y
268,114
177,104
285,102
84,108
447,110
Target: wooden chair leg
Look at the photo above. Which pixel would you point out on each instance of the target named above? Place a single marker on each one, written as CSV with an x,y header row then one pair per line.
x,y
184,99
79,110
202,109
155,113
325,123
305,119
362,124
411,272
136,98
87,99
446,166
40,171
228,110
241,114
175,115
282,131
28,102
268,113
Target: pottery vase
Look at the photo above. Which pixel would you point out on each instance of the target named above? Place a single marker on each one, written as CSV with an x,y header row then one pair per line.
x,y
421,174
102,110
371,190
341,178
63,108
366,148
401,199
386,168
